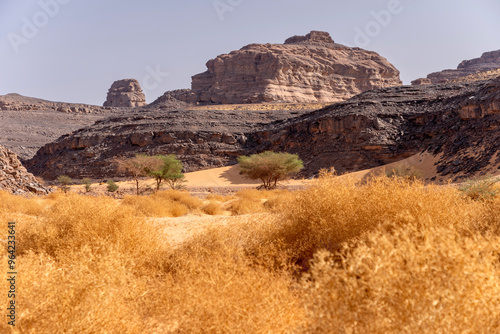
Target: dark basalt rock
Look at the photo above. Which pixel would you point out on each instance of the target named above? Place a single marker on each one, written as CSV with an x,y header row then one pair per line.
x,y
456,121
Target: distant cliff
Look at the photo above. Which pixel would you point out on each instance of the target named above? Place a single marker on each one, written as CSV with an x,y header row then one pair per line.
x,y
487,62
311,68
458,122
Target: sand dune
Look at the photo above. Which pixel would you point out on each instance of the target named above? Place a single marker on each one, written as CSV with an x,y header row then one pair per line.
x,y
226,177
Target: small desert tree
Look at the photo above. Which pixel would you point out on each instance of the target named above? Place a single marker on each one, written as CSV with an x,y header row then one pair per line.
x,y
138,166
169,170
87,184
270,167
112,186
65,182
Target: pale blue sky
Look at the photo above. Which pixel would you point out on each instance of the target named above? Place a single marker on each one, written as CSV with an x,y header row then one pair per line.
x,y
82,46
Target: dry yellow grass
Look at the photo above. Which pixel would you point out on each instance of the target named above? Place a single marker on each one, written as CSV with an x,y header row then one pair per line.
x,y
253,201
213,208
13,204
151,206
265,106
217,197
169,203
386,256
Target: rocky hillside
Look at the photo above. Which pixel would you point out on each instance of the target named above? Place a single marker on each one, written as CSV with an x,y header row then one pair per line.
x,y
14,178
488,61
126,93
16,102
458,122
202,139
310,69
27,123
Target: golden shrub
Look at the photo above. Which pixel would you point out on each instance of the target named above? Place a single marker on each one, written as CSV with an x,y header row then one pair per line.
x,y
387,256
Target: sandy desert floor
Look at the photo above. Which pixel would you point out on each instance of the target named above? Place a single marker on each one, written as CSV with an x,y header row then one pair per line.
x,y
227,180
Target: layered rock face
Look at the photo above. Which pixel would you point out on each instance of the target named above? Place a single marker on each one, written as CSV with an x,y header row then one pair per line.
x,y
125,93
201,139
460,122
14,178
310,69
488,61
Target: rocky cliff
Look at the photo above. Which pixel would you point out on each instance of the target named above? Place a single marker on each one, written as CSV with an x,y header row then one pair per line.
x,y
311,68
14,178
202,139
458,122
488,61
125,93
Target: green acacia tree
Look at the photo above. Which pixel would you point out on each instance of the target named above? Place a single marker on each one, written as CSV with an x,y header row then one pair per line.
x,y
270,167
168,170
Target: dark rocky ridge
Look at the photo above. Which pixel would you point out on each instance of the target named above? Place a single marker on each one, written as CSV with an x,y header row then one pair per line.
x,y
27,123
200,138
460,121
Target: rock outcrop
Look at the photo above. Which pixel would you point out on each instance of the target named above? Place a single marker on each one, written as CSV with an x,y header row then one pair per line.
x,y
14,178
311,68
457,121
125,93
488,61
202,139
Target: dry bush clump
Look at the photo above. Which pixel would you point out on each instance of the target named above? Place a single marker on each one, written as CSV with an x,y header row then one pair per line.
x,y
415,279
76,222
217,197
481,189
82,262
243,206
337,210
254,201
156,205
386,256
215,286
19,204
212,208
180,196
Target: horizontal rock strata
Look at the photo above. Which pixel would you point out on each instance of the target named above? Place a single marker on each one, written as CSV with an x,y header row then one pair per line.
x,y
369,130
311,68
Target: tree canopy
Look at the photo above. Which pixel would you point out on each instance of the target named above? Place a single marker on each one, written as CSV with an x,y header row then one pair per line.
x,y
270,167
169,170
138,166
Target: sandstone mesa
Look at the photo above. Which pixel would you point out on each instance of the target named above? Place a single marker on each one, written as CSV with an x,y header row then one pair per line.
x,y
311,68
